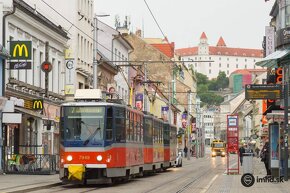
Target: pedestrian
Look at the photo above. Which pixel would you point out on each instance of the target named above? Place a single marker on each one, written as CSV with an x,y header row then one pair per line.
x,y
265,155
241,152
257,150
185,151
281,155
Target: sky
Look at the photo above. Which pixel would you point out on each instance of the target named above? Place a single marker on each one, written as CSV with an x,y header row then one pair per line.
x,y
241,23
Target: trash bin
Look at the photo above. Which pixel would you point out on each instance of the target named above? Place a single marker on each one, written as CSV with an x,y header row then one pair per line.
x,y
248,163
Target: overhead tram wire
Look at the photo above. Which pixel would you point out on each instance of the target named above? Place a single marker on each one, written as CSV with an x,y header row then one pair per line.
x,y
155,20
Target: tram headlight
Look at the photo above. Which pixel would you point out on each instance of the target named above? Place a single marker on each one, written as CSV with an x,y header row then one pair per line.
x,y
69,158
99,158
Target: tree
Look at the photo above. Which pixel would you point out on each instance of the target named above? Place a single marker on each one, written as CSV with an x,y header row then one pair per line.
x,y
222,80
201,78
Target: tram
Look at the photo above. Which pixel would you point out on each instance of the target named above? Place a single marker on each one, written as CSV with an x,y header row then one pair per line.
x,y
103,140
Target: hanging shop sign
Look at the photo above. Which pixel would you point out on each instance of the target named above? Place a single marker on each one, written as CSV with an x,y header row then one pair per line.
x,y
20,55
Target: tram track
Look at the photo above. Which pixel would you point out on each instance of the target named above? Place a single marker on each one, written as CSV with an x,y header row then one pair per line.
x,y
188,184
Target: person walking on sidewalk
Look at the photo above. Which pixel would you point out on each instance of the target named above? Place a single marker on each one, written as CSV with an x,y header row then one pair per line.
x,y
257,150
241,152
185,151
265,155
281,155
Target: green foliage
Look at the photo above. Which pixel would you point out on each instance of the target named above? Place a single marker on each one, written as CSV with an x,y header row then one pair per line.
x,y
204,86
201,78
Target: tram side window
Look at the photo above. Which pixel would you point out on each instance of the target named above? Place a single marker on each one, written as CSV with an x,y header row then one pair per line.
x,y
120,124
132,128
109,133
128,126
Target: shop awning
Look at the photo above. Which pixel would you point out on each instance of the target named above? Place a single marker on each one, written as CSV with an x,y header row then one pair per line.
x,y
272,60
29,112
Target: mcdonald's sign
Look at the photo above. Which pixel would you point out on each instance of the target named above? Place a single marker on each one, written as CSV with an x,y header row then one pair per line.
x,y
20,50
37,104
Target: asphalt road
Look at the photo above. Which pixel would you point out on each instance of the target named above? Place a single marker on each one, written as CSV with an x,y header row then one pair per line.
x,y
196,175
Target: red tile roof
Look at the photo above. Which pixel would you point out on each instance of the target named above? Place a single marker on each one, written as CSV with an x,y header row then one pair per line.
x,y
203,36
225,51
221,42
241,71
167,49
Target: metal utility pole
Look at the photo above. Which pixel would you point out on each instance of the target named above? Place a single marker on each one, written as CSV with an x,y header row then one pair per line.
x,y
144,94
286,131
188,130
95,52
169,103
46,72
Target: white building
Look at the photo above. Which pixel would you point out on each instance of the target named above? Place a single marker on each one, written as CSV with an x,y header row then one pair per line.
x,y
76,17
208,124
24,85
116,48
221,57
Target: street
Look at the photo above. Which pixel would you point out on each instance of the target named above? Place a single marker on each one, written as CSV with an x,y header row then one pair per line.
x,y
196,175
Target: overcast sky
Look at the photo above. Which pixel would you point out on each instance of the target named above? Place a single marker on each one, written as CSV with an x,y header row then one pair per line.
x,y
240,22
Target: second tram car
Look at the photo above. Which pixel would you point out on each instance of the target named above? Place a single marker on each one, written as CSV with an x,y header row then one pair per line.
x,y
104,140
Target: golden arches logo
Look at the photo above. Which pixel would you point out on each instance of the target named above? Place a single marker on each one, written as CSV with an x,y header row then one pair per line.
x,y
37,104
20,50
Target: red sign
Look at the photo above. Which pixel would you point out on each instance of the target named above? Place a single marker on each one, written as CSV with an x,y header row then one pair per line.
x,y
232,141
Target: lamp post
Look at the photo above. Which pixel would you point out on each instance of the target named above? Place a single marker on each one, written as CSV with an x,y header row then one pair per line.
x,y
95,51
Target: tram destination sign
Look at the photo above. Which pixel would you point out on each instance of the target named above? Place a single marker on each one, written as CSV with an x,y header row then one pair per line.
x,y
263,91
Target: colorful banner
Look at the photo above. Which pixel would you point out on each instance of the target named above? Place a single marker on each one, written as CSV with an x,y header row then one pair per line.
x,y
164,113
139,101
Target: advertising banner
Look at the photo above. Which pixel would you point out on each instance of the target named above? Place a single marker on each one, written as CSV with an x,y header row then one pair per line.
x,y
139,101
164,112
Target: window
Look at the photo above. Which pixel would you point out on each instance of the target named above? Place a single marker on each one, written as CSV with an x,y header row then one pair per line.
x,y
209,58
237,66
220,65
220,58
209,64
227,72
209,71
237,59
245,59
228,59
120,124
40,71
228,65
109,129
195,65
128,131
245,66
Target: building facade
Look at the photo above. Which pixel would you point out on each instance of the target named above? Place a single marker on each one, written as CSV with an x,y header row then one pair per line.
x,y
38,103
76,18
219,58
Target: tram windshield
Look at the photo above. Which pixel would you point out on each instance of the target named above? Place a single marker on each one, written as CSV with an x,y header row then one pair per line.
x,y
83,126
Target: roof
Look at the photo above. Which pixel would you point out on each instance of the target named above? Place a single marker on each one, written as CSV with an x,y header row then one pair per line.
x,y
167,49
221,42
203,36
226,51
241,71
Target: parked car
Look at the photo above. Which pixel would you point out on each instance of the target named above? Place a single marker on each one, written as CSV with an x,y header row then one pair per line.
x,y
178,161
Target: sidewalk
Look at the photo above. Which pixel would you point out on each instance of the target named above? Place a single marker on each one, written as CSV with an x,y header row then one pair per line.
x,y
232,183
20,183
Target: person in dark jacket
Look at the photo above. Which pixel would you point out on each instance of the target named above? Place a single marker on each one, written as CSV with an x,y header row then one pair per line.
x,y
242,150
281,155
265,155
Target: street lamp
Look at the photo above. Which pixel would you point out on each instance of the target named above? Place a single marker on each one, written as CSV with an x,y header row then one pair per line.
x,y
95,51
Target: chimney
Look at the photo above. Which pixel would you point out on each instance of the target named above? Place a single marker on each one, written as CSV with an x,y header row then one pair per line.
x,y
138,33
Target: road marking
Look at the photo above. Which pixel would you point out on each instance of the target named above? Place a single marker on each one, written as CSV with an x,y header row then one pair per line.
x,y
231,166
209,184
